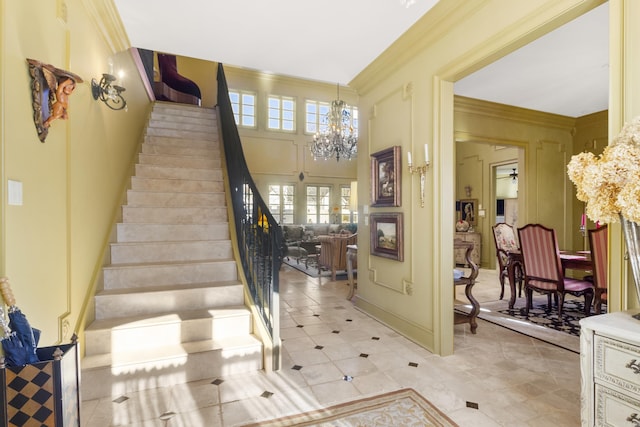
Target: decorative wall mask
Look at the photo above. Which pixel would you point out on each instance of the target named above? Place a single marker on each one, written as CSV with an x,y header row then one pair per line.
x,y
50,89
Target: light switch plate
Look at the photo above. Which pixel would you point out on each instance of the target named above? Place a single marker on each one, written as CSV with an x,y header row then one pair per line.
x,y
14,193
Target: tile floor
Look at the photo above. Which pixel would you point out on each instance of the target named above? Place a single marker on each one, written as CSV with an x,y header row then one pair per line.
x,y
513,379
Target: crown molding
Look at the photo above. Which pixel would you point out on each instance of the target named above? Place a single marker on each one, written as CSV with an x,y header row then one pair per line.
x,y
106,19
523,115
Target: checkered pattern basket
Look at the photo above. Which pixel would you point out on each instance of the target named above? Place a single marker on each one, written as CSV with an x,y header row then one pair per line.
x,y
46,393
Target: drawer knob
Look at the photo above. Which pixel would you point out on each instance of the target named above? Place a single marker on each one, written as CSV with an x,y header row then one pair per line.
x,y
635,367
635,419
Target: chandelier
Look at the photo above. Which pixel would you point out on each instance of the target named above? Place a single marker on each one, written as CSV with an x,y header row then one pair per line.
x,y
336,136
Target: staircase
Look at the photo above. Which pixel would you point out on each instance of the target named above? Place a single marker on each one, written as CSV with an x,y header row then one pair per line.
x,y
172,309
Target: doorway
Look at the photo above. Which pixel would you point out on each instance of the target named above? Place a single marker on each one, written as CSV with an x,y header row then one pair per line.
x,y
506,193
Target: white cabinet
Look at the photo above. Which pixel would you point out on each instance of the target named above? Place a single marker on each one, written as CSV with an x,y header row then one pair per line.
x,y
610,366
476,238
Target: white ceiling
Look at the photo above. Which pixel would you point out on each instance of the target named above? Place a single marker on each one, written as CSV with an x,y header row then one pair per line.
x,y
564,72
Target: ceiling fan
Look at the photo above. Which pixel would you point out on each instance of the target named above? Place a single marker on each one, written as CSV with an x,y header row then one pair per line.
x,y
513,176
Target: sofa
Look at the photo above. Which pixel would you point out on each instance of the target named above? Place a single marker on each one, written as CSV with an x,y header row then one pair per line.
x,y
302,239
294,233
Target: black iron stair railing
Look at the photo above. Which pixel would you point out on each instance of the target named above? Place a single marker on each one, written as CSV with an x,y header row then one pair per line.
x,y
260,238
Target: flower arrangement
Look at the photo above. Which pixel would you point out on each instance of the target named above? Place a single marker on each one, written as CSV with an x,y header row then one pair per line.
x,y
610,183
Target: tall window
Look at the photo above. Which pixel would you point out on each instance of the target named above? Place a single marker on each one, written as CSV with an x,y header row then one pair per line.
x,y
318,201
316,113
281,202
345,204
244,108
282,113
247,198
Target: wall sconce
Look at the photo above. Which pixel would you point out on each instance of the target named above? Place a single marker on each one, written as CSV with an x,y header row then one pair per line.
x,y
108,93
421,170
467,190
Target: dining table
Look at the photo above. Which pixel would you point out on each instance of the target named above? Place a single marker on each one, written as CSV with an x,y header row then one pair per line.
x,y
571,260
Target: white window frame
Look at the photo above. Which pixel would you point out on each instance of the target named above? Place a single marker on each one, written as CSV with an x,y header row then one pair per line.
x,y
244,112
314,111
280,118
279,209
320,213
314,121
345,204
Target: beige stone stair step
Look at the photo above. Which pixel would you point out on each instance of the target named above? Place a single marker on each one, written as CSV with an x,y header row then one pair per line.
x,y
104,376
182,142
208,119
140,333
136,276
153,300
178,161
175,198
156,252
141,232
181,150
173,184
174,215
167,172
187,125
177,110
182,133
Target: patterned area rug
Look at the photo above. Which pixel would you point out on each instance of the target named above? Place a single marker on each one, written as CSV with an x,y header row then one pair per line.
x,y
541,314
399,408
542,324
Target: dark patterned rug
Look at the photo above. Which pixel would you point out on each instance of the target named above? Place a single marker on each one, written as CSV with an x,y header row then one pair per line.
x,y
540,314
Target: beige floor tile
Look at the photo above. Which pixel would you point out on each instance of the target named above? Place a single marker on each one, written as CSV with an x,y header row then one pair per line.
x,y
517,381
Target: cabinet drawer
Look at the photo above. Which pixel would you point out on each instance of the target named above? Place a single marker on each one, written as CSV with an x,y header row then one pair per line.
x,y
617,363
614,409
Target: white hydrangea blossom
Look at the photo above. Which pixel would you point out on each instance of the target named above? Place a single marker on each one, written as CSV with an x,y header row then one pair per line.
x,y
610,183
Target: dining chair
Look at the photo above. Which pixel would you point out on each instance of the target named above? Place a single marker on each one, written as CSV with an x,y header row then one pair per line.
x,y
543,271
598,239
504,238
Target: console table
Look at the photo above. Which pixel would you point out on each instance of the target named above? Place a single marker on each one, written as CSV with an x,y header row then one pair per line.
x,y
467,282
476,253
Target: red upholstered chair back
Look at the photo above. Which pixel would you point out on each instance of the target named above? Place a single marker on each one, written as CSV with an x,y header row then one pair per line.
x,y
540,256
598,239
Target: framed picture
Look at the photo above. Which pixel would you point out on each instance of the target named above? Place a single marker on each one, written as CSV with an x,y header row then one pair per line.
x,y
469,211
387,235
386,175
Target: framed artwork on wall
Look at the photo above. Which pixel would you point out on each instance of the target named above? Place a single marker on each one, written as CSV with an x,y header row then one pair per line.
x,y
386,178
468,211
387,233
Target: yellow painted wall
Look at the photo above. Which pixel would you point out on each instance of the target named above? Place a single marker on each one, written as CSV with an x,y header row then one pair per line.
x,y
590,135
406,99
73,184
203,73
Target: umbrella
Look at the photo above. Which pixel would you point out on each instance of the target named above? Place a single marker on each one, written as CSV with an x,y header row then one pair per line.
x,y
14,352
19,324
